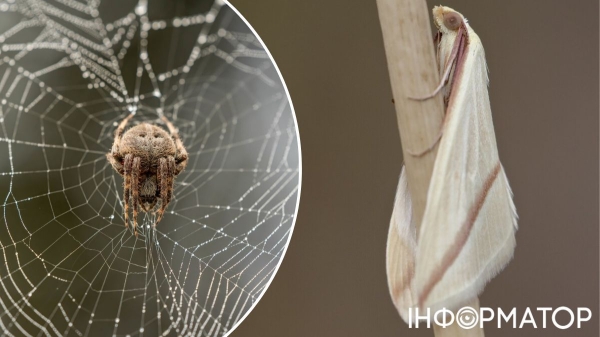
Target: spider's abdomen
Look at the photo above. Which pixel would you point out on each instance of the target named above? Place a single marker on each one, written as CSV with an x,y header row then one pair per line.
x,y
149,143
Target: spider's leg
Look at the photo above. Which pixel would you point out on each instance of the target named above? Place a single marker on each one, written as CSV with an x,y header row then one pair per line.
x,y
163,172
116,163
158,189
119,133
172,169
171,127
122,125
181,157
127,190
135,189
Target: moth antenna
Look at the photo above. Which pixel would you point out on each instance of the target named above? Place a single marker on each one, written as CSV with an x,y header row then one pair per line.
x,y
442,82
448,69
429,148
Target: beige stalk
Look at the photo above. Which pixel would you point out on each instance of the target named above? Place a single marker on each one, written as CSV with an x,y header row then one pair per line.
x,y
413,71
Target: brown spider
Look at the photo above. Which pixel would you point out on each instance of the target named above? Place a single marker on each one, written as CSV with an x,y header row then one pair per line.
x,y
149,159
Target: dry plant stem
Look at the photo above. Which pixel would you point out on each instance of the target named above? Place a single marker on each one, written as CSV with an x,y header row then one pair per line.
x,y
413,72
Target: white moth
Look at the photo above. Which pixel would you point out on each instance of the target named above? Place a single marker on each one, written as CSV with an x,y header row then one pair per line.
x,y
467,233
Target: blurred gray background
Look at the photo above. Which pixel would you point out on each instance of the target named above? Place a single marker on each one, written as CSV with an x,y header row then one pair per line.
x,y
543,61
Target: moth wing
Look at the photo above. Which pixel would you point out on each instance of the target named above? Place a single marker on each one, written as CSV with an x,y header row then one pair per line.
x,y
467,234
401,249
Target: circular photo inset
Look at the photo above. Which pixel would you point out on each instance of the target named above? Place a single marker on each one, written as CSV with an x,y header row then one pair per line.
x,y
149,168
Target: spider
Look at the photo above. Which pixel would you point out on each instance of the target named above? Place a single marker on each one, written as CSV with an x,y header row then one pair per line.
x,y
148,158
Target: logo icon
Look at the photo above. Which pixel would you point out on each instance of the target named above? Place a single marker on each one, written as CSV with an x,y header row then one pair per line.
x,y
467,318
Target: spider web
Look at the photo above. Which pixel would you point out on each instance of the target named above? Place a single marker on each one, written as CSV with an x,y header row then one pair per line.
x,y
70,71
